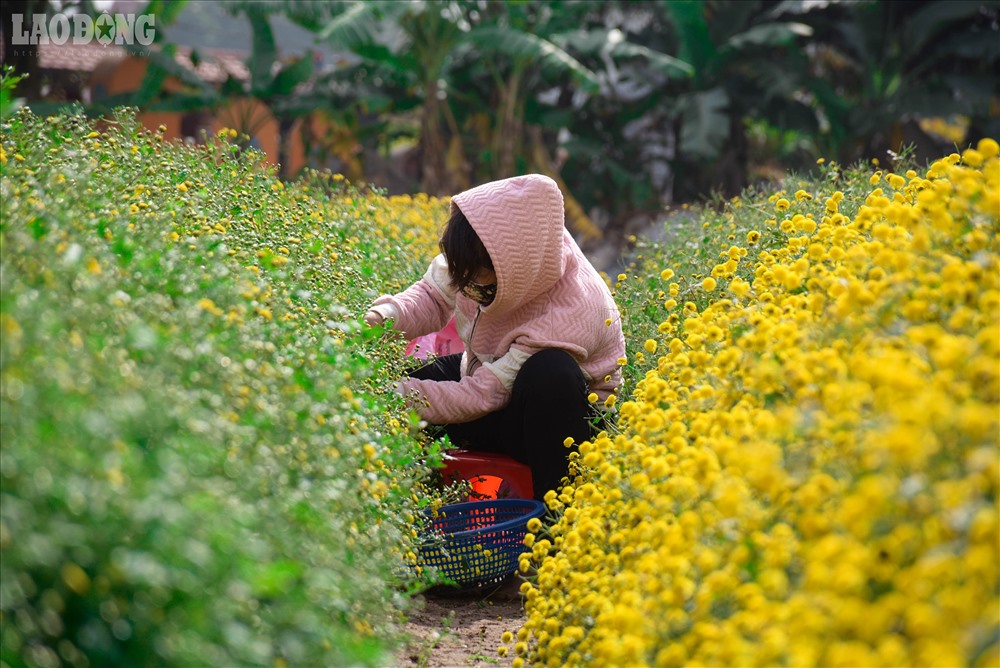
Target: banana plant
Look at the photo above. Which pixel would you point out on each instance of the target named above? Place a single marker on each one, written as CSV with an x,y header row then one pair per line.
x,y
275,84
881,64
421,42
478,70
739,51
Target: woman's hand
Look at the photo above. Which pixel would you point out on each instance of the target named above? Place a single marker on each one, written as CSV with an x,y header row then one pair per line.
x,y
373,319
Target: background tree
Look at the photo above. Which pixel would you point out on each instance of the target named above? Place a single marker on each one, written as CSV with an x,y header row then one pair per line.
x,y
24,59
876,68
421,44
630,105
741,53
619,145
276,84
427,49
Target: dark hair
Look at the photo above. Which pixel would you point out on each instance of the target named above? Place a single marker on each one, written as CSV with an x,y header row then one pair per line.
x,y
464,251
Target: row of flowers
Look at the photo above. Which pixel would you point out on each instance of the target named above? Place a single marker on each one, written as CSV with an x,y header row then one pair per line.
x,y
202,463
807,470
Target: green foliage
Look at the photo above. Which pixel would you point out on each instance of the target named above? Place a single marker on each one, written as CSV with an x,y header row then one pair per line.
x,y
541,53
201,464
8,103
880,64
634,104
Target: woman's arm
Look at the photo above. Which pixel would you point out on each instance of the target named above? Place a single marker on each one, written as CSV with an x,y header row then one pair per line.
x,y
424,307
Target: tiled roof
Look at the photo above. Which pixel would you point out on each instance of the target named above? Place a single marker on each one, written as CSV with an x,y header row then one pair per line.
x,y
76,57
213,67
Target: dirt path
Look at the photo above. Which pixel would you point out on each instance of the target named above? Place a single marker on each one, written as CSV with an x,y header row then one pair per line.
x,y
462,631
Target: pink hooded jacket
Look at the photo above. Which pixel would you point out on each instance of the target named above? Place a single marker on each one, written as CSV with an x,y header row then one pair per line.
x,y
548,296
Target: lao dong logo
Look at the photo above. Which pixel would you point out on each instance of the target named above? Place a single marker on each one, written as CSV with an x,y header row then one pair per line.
x,y
82,29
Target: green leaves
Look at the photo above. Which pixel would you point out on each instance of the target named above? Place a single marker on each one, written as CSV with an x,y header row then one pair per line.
x,y
270,580
289,76
163,63
697,47
769,34
353,28
523,46
937,18
665,64
263,52
8,83
165,11
705,118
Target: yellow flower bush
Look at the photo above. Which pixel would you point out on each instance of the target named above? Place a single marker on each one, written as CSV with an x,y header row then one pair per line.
x,y
808,472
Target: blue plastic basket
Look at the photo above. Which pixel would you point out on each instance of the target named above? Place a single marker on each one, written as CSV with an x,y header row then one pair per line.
x,y
477,544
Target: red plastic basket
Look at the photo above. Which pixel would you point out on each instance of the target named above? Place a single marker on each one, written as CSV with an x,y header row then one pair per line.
x,y
491,475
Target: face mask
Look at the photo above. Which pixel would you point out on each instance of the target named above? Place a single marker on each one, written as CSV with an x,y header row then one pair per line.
x,y
483,294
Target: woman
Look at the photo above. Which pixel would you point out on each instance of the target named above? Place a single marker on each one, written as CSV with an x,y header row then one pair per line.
x,y
540,327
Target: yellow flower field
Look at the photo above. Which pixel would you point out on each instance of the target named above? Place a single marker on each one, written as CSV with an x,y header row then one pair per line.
x,y
204,461
807,471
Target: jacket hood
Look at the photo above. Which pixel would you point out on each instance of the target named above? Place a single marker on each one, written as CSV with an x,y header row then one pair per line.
x,y
521,221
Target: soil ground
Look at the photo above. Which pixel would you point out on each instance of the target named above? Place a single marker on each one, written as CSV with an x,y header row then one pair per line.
x,y
462,631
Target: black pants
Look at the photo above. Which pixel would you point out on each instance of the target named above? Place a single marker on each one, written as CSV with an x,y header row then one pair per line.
x,y
548,403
